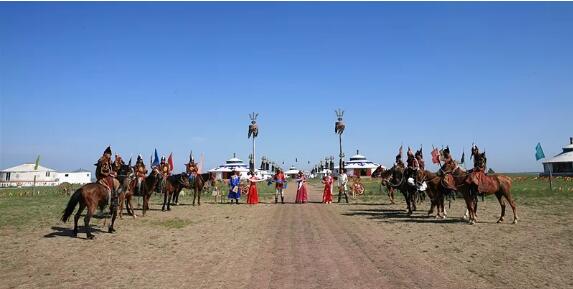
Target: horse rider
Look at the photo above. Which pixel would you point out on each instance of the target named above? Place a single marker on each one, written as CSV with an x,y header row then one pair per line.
x,y
420,158
480,159
165,171
448,161
192,170
117,163
399,162
105,176
140,172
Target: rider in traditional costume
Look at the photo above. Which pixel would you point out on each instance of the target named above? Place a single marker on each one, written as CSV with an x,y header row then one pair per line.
x,y
399,162
140,173
191,169
301,192
342,185
279,180
448,161
253,195
420,158
480,159
117,163
105,176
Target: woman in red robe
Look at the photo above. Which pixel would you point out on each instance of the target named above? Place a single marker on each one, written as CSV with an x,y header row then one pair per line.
x,y
327,195
301,193
253,195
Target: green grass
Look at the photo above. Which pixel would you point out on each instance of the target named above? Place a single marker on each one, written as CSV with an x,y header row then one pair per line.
x,y
175,223
20,208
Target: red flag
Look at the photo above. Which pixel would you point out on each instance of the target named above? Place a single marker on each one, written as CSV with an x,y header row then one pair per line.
x,y
170,162
435,156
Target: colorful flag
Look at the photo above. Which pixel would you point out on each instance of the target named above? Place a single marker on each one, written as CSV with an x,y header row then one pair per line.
x,y
435,156
37,163
539,152
155,160
170,162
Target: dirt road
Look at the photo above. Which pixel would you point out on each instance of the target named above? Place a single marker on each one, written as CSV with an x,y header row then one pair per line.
x,y
279,246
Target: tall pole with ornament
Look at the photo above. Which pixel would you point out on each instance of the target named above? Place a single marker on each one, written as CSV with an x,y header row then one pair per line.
x,y
339,129
253,132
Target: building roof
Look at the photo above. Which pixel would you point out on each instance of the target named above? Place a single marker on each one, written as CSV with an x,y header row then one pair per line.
x,y
81,171
359,161
564,157
292,170
27,168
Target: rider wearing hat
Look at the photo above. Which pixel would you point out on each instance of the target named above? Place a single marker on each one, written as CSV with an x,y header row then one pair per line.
x,y
140,172
117,163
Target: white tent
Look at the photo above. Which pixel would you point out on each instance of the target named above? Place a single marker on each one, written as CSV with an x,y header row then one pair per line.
x,y
23,176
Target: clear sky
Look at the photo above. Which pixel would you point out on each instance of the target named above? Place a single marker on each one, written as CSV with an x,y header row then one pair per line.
x,y
75,77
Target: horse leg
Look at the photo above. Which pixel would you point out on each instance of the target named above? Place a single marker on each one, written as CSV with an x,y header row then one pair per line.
x,y
89,214
129,206
199,197
502,204
169,201
120,204
194,195
77,217
513,207
164,200
113,217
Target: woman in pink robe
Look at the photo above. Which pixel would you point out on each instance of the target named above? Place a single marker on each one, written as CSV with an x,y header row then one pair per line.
x,y
301,192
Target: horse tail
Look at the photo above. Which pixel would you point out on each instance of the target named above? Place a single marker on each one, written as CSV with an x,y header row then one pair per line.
x,y
74,200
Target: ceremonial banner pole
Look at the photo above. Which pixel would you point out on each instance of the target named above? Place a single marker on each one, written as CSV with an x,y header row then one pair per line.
x,y
339,129
254,132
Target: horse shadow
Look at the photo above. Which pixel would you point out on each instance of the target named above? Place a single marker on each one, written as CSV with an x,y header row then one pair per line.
x,y
69,232
398,215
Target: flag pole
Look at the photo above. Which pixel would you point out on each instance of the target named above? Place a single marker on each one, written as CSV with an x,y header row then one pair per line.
x,y
550,176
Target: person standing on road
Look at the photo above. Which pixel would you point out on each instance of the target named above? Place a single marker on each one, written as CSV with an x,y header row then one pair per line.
x,y
342,186
301,192
235,187
253,195
327,180
279,180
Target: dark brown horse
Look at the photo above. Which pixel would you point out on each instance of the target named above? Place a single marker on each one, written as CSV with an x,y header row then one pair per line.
x,y
173,185
146,189
90,196
197,184
385,175
125,175
398,181
489,185
434,190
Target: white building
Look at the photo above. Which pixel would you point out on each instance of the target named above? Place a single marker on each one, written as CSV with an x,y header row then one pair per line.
x,y
561,164
358,165
232,164
76,177
23,176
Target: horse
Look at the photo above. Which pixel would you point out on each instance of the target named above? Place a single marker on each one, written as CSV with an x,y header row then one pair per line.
x,y
196,185
90,196
453,178
125,175
173,185
489,185
398,181
148,185
434,190
386,175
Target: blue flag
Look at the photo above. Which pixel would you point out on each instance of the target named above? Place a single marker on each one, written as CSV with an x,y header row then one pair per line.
x,y
155,160
539,152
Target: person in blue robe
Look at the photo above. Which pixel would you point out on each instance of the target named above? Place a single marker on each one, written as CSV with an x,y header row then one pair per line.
x,y
235,187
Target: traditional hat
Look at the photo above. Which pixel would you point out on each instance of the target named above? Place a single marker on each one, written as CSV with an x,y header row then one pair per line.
x,y
107,150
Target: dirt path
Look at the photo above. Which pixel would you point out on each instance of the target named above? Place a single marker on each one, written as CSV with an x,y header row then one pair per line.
x,y
289,246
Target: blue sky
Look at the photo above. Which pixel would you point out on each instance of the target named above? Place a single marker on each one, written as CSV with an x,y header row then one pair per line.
x,y
75,77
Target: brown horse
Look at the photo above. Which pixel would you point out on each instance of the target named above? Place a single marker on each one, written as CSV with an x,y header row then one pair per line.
x,y
148,186
90,196
173,185
454,178
489,185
